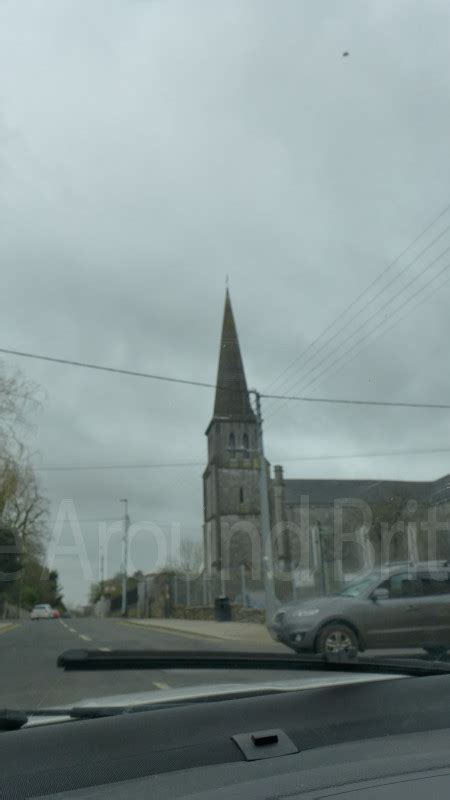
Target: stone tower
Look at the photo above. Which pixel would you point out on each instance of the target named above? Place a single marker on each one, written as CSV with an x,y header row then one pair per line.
x,y
230,481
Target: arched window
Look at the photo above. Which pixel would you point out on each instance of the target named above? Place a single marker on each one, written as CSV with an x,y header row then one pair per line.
x,y
231,441
241,495
245,445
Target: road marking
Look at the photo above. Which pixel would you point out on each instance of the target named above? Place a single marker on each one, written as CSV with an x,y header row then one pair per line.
x,y
173,631
8,628
160,685
105,649
72,630
86,638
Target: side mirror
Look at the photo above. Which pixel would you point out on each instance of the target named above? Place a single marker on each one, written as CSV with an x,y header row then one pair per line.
x,y
379,594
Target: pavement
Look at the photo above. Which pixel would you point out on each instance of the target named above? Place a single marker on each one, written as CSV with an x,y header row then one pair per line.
x,y
246,633
30,679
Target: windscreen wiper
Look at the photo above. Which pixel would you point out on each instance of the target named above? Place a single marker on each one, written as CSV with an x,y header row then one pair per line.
x,y
184,659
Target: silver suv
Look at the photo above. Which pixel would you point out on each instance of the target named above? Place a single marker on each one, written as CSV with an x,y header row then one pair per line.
x,y
396,606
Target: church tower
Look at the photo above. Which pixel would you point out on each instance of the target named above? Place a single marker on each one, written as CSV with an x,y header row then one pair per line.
x,y
230,481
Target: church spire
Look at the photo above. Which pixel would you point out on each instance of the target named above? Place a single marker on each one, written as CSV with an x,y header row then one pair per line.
x,y
232,398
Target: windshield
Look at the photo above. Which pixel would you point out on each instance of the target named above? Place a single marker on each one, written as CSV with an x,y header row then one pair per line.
x,y
359,587
225,241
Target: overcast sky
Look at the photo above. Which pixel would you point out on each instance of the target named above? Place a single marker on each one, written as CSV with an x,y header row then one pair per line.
x,y
148,148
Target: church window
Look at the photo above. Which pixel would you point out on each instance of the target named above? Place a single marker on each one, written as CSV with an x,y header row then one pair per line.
x,y
241,495
245,445
231,441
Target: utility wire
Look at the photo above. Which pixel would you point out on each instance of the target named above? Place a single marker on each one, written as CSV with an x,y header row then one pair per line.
x,y
376,454
342,401
213,386
319,457
368,335
82,467
361,327
87,519
371,300
405,304
361,295
383,332
116,370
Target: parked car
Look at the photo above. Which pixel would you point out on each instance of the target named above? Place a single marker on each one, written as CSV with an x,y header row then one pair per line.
x,y
42,611
55,613
396,606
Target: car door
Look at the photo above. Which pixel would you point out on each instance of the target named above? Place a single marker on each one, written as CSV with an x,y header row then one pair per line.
x,y
435,606
395,621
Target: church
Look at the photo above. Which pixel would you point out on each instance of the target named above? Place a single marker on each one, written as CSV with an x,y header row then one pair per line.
x,y
371,521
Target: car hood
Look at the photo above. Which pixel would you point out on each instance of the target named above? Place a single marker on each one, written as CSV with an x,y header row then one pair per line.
x,y
205,692
323,603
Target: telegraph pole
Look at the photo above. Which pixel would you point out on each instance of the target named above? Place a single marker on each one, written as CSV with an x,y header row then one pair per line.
x,y
266,538
126,522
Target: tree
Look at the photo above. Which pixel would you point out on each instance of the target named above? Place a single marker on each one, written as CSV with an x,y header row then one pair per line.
x,y
11,556
23,508
191,556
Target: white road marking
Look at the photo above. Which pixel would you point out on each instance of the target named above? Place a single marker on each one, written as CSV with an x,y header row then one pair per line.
x,y
62,623
86,638
72,630
105,649
161,685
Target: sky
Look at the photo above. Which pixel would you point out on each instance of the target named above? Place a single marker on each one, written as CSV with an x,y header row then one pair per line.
x,y
151,148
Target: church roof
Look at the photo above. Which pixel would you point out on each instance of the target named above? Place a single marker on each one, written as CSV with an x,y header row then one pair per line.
x,y
325,492
232,398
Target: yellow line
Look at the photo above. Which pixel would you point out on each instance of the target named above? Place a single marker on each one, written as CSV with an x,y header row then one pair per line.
x,y
162,629
8,628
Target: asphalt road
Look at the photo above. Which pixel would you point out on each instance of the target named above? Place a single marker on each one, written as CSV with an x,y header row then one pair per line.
x,y
30,679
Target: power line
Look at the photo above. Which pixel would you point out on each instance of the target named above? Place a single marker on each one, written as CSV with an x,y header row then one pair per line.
x,y
213,386
372,331
371,300
375,454
86,519
319,457
383,332
402,305
117,370
361,327
82,467
361,295
341,401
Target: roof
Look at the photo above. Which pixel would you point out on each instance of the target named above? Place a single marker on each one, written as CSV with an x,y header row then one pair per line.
x,y
232,398
325,492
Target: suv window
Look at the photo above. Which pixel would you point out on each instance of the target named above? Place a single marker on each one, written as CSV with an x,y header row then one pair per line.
x,y
403,584
435,583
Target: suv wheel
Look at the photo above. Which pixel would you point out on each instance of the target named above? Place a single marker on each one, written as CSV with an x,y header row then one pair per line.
x,y
335,637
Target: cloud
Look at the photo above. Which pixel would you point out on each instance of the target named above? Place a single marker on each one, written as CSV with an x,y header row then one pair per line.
x,y
152,148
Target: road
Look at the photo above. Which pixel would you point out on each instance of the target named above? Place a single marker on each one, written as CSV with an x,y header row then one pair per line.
x,y
29,677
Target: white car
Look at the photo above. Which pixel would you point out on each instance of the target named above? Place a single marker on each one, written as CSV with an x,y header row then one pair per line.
x,y
42,611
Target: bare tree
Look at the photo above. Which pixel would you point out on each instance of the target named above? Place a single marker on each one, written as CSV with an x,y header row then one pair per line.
x,y
191,556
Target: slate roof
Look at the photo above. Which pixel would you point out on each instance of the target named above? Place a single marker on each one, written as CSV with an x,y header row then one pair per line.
x,y
325,492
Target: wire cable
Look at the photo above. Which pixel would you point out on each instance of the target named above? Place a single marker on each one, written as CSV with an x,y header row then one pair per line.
x,y
361,295
383,308
371,300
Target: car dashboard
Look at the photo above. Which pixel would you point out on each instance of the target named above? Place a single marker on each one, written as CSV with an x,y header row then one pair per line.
x,y
381,739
